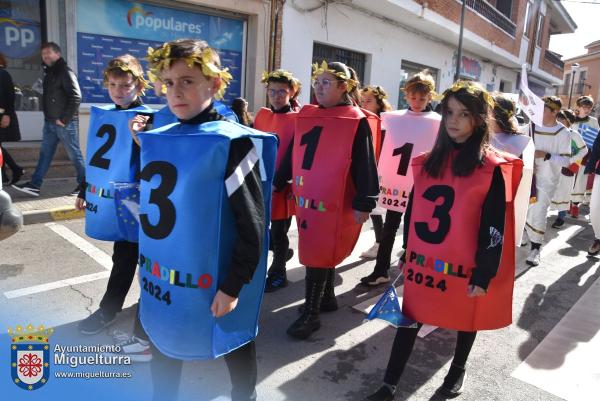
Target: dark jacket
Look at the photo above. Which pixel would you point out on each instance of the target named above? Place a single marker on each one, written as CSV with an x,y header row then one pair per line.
x,y
7,102
592,166
61,93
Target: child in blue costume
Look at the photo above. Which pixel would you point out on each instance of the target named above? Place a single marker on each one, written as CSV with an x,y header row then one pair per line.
x,y
192,75
124,80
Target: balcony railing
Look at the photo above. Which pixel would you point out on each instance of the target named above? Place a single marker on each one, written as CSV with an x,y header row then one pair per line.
x,y
488,11
554,59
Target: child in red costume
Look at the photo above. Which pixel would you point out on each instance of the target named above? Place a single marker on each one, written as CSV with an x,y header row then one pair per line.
x,y
463,195
279,118
331,163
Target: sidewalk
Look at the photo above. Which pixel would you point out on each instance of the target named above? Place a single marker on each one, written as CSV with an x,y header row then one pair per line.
x,y
54,202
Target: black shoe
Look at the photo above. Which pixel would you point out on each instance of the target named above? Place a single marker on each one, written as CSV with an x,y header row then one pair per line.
x,y
96,322
558,223
276,281
76,190
27,188
385,393
374,279
454,382
309,321
594,249
16,175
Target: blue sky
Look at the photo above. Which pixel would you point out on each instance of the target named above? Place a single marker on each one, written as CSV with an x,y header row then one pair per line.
x,y
586,17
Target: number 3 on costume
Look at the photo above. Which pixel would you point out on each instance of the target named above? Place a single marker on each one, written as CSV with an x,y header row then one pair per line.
x,y
159,196
441,213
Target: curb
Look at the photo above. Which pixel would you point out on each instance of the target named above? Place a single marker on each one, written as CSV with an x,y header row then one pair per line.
x,y
49,215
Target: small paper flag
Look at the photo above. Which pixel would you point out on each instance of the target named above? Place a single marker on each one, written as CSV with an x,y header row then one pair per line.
x,y
388,310
128,209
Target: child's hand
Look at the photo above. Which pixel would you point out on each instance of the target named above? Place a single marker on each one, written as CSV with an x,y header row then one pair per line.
x,y
475,291
539,154
137,124
222,304
360,217
79,204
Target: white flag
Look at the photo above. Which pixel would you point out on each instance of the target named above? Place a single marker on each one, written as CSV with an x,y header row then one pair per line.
x,y
530,103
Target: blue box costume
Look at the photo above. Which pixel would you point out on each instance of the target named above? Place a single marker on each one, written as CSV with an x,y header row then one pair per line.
x,y
187,236
110,158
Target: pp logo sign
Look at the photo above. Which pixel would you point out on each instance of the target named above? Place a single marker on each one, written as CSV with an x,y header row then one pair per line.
x,y
18,39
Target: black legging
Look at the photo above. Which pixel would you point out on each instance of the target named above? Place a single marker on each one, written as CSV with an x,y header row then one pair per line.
x,y
241,363
8,160
125,259
405,342
377,226
166,371
388,236
280,244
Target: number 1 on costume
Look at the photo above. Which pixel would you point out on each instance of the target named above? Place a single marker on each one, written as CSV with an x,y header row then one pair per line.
x,y
311,140
405,152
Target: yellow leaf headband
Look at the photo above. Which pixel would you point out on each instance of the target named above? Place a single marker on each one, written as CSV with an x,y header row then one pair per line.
x,y
323,68
114,64
376,91
472,89
160,59
551,105
280,74
418,81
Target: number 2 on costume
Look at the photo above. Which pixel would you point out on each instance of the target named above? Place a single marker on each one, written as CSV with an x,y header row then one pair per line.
x,y
311,140
405,152
441,213
159,196
98,160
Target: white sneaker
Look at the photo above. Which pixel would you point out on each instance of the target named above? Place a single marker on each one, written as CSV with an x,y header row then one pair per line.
x,y
136,348
534,258
371,253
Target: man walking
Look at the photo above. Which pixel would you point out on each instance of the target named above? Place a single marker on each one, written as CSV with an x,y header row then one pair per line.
x,y
61,100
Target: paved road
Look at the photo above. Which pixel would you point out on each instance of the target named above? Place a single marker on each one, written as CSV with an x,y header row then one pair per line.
x,y
346,359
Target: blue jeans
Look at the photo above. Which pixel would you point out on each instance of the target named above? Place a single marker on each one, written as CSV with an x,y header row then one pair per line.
x,y
70,140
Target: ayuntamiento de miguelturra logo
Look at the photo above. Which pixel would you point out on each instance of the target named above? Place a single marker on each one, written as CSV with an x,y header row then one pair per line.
x,y
30,356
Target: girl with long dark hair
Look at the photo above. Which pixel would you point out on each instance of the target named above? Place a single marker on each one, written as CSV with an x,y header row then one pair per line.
x,y
459,237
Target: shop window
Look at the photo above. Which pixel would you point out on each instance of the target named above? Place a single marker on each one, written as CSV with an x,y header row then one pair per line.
x,y
20,42
351,58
